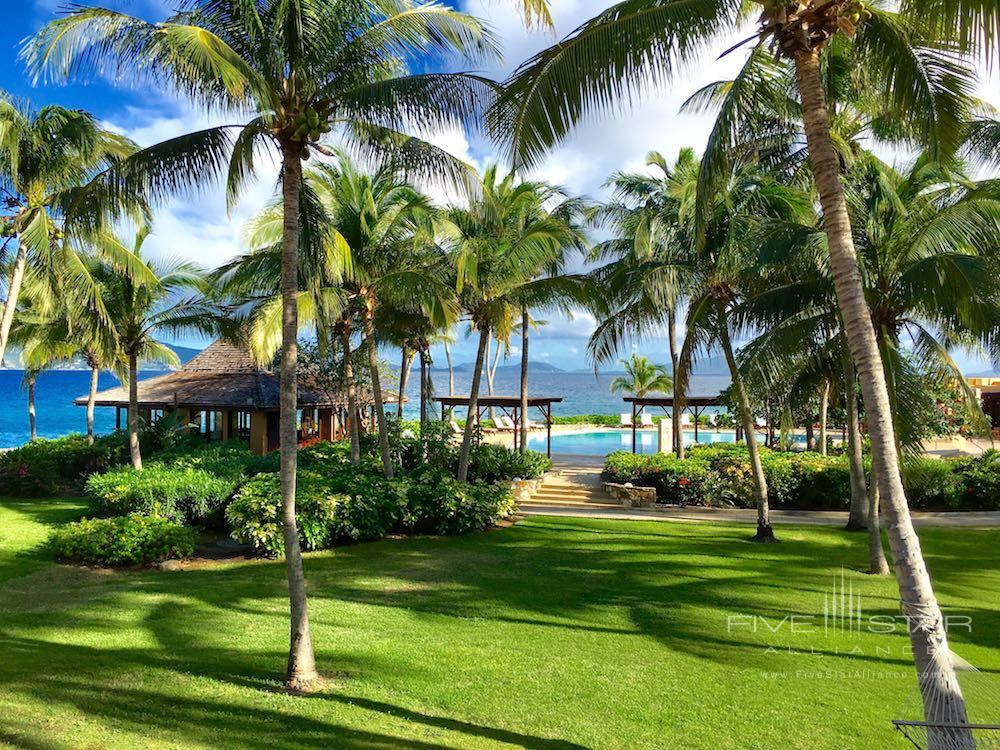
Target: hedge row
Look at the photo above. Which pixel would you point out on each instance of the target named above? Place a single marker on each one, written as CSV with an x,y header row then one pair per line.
x,y
720,475
43,468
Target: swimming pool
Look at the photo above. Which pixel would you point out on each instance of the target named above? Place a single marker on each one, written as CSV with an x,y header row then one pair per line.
x,y
602,442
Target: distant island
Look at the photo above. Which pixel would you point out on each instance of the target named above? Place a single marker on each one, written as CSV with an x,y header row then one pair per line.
x,y
12,360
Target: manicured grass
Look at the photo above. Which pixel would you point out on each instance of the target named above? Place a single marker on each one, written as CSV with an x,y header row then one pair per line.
x,y
555,633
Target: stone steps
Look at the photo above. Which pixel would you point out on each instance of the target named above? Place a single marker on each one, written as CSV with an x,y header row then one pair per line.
x,y
576,488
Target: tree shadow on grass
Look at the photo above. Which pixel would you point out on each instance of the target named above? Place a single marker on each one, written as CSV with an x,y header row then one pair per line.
x,y
673,584
86,678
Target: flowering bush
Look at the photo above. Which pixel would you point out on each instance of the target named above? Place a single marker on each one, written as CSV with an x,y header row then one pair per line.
x,y
49,467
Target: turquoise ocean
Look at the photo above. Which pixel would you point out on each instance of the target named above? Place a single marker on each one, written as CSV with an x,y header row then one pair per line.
x,y
56,415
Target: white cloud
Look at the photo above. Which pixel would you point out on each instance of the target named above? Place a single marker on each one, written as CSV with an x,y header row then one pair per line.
x,y
195,226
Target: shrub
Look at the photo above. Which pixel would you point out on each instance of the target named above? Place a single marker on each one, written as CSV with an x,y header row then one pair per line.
x,y
678,481
232,459
46,467
254,515
979,482
440,504
604,420
371,505
177,493
720,474
127,540
932,483
492,463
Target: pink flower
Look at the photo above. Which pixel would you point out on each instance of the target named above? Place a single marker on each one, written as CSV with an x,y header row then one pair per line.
x,y
22,471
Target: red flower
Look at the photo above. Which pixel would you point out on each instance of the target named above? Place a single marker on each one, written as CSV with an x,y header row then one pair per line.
x,y
683,481
22,471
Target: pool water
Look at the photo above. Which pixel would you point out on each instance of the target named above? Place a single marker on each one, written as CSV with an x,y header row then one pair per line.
x,y
602,442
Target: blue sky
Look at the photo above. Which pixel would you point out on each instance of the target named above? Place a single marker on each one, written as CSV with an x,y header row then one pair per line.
x,y
199,228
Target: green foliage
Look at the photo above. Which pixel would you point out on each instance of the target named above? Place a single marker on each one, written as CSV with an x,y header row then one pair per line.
x,y
719,475
254,515
604,420
493,463
47,467
682,482
232,459
979,485
125,540
440,504
178,493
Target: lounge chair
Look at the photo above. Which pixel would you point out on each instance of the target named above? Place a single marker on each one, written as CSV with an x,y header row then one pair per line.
x,y
505,423
456,428
685,420
712,417
645,420
626,419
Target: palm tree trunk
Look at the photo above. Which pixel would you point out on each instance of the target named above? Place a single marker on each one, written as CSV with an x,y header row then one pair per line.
x,y
877,565
857,517
13,290
523,441
489,375
133,413
824,404
352,396
477,372
301,672
942,696
764,531
31,405
424,389
370,346
675,411
404,377
91,398
451,370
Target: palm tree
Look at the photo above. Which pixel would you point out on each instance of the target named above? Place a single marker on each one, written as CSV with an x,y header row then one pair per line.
x,y
627,45
641,377
527,323
499,244
142,308
302,67
367,245
46,157
644,284
51,327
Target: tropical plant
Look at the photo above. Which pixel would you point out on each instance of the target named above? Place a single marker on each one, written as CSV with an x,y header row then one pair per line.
x,y
144,306
643,284
641,377
301,68
367,247
501,243
629,44
47,157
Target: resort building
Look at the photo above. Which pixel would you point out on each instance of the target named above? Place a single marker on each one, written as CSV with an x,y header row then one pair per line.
x,y
225,395
987,388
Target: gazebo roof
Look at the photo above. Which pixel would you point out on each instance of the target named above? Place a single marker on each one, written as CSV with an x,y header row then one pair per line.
x,y
222,376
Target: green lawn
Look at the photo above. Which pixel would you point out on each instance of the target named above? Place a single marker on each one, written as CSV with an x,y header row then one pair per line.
x,y
551,634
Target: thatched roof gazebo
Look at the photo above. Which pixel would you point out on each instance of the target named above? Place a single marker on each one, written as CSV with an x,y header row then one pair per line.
x,y
227,395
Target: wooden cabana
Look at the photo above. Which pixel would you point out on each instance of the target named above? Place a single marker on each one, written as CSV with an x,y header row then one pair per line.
x,y
225,395
510,406
694,405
